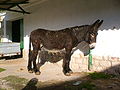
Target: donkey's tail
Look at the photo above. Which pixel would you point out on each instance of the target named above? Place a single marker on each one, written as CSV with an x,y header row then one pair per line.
x,y
29,45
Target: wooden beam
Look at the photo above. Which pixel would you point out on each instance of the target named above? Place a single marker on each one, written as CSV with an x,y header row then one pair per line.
x,y
24,12
11,6
21,8
6,1
13,3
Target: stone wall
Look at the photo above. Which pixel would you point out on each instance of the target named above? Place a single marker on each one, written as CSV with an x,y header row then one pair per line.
x,y
110,65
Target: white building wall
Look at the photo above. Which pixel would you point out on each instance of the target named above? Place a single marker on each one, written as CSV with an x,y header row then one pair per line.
x,y
59,14
108,43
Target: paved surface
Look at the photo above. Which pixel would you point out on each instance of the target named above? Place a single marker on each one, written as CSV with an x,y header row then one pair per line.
x,y
48,72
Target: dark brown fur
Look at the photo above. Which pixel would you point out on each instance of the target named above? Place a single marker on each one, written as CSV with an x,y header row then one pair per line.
x,y
67,38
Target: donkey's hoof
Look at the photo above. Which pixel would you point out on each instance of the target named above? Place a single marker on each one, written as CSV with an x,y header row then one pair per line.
x,y
71,72
67,74
37,73
30,71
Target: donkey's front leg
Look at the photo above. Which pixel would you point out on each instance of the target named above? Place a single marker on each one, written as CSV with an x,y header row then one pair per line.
x,y
66,61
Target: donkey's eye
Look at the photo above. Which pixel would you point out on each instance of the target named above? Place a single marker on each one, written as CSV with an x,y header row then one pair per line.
x,y
92,35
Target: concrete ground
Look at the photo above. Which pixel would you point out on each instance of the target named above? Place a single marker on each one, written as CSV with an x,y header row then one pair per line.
x,y
49,71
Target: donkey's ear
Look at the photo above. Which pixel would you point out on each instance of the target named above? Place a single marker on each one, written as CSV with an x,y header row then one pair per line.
x,y
100,23
96,22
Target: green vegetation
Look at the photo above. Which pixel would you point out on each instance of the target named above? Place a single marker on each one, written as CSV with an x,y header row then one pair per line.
x,y
1,69
16,82
86,85
2,89
92,81
97,75
15,79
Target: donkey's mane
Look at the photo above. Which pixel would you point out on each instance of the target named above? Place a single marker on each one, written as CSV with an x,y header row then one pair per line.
x,y
78,27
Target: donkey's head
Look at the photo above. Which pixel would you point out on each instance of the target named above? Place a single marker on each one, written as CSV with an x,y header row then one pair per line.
x,y
92,33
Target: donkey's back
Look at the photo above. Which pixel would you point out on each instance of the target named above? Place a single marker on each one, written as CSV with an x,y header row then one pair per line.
x,y
53,39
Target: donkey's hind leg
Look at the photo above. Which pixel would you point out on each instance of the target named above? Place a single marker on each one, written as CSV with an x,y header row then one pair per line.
x,y
36,70
35,53
30,70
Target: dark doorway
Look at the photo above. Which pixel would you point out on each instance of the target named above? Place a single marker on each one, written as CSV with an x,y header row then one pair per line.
x,y
16,31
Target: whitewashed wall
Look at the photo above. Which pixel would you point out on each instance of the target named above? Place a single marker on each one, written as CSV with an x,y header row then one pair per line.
x,y
108,43
59,14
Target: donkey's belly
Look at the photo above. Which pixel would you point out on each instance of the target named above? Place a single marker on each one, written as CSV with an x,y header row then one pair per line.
x,y
52,56
53,50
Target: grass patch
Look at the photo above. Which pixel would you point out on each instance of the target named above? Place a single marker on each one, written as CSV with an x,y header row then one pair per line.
x,y
97,75
2,69
16,82
86,85
2,89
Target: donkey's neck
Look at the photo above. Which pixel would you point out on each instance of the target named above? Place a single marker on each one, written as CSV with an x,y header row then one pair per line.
x,y
80,32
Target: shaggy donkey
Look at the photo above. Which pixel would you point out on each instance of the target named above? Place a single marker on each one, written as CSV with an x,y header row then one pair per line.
x,y
67,39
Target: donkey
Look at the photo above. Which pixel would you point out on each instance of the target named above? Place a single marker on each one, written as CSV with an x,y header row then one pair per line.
x,y
67,39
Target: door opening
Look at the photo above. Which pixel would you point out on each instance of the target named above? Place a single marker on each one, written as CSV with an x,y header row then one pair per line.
x,y
16,31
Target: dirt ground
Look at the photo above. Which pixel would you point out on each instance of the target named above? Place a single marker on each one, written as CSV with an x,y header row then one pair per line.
x,y
51,78
18,67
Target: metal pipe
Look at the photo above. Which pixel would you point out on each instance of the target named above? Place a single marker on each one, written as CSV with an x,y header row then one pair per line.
x,y
90,61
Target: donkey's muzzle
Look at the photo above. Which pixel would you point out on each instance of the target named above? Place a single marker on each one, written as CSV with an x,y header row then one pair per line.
x,y
92,45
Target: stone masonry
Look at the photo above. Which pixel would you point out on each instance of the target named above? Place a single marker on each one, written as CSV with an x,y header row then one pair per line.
x,y
110,65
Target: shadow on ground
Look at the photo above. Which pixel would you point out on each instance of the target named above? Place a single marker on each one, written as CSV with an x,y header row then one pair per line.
x,y
11,57
31,85
108,79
